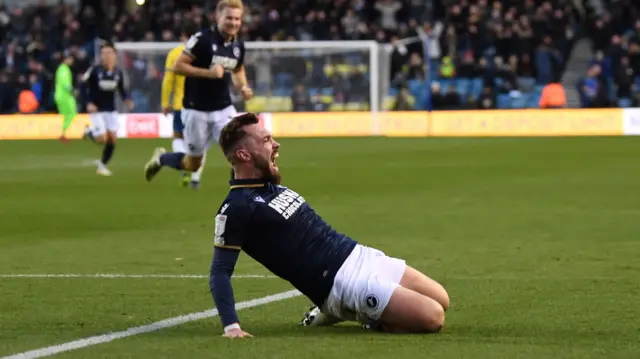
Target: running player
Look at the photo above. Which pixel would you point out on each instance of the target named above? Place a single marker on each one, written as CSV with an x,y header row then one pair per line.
x,y
102,83
207,105
275,226
172,95
64,97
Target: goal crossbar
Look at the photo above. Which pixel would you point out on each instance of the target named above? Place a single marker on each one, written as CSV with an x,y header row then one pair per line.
x,y
372,47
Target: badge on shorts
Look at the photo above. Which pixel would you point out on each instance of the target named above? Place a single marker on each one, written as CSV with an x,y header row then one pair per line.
x,y
372,301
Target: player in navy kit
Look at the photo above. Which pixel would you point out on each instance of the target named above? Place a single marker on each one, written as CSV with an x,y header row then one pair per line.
x,y
102,82
274,225
207,105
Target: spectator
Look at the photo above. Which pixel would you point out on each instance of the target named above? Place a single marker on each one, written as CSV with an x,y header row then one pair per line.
x,y
487,100
402,101
553,96
462,38
592,92
437,100
300,99
624,80
452,100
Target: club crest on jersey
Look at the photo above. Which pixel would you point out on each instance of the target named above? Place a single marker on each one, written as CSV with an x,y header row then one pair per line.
x,y
287,203
236,51
214,47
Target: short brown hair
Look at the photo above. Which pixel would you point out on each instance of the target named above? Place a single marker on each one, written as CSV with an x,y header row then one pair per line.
x,y
234,4
233,133
108,45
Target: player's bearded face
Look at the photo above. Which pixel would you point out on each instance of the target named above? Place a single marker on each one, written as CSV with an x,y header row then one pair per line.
x,y
230,20
263,157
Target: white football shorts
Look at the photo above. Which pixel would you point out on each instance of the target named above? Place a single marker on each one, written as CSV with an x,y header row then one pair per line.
x,y
102,122
364,285
200,128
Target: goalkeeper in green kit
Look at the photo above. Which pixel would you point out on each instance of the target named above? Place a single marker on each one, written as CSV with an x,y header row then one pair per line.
x,y
64,96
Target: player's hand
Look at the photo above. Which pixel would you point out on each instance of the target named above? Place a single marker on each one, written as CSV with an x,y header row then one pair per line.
x,y
217,71
237,333
247,93
129,104
91,107
166,110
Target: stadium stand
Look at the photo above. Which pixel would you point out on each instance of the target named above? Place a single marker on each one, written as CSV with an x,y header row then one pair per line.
x,y
612,78
472,54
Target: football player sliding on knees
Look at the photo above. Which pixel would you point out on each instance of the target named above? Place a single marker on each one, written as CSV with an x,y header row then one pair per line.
x,y
344,279
207,105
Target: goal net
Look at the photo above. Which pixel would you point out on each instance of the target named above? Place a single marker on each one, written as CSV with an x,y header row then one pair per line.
x,y
285,76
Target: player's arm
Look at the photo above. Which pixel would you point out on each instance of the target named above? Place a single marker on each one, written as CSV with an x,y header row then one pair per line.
x,y
124,93
90,89
230,233
196,46
239,77
168,81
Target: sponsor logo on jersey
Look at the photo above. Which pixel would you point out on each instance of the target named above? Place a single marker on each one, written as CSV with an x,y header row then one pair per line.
x,y
226,62
287,203
107,85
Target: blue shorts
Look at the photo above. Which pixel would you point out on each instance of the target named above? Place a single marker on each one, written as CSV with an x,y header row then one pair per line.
x,y
178,126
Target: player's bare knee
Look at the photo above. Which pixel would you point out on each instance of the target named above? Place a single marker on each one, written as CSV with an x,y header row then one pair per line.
x,y
191,164
434,321
178,135
443,300
419,282
430,319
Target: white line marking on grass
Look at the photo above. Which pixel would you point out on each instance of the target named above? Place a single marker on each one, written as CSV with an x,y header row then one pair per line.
x,y
122,275
166,323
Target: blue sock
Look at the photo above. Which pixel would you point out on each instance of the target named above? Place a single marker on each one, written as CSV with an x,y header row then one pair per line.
x,y
108,152
172,159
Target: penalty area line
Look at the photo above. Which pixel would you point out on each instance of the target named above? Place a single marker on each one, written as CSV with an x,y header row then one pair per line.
x,y
166,323
123,275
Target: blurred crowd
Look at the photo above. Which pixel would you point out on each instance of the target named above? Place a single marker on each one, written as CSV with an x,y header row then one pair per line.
x,y
613,76
442,54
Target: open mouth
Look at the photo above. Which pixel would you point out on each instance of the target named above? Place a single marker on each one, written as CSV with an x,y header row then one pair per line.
x,y
273,160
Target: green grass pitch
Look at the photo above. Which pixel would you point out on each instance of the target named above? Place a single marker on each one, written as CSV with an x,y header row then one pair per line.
x,y
536,240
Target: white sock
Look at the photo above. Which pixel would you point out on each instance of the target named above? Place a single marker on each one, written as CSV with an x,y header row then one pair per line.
x,y
177,145
195,176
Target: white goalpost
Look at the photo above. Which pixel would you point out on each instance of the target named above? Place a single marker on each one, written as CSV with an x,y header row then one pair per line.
x,y
337,75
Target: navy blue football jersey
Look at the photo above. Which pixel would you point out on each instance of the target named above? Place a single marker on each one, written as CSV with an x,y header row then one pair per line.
x,y
275,226
102,86
209,48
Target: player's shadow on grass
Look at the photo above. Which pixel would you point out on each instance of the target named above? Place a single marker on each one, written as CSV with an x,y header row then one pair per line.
x,y
288,330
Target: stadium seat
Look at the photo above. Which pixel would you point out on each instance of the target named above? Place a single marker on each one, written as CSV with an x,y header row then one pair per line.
x,y
624,102
476,87
463,86
504,101
526,84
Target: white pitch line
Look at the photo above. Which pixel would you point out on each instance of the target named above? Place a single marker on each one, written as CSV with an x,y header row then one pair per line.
x,y
122,275
166,323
